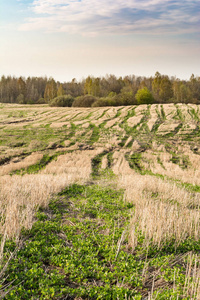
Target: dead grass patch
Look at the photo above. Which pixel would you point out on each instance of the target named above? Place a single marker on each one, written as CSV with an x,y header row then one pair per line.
x,y
162,211
76,164
120,164
17,164
135,120
29,192
112,122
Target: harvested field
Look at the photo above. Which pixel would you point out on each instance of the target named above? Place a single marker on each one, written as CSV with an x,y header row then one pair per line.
x,y
151,152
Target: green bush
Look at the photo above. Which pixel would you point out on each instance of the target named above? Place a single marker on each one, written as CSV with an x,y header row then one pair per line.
x,y
104,102
84,101
30,101
62,101
144,96
41,101
124,98
21,99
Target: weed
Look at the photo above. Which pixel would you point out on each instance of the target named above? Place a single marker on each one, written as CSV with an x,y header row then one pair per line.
x,y
163,113
96,164
179,115
134,161
194,114
160,162
95,134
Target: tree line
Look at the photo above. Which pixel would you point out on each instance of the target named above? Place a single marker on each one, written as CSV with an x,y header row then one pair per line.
x,y
105,91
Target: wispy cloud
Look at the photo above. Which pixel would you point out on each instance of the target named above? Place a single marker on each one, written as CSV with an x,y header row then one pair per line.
x,y
93,17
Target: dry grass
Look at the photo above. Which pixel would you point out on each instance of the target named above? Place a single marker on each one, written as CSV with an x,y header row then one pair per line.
x,y
112,122
189,174
17,164
19,203
192,280
135,120
76,164
152,278
20,196
162,210
162,222
120,164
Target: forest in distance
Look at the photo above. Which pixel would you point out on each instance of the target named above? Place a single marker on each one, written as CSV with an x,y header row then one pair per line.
x,y
100,91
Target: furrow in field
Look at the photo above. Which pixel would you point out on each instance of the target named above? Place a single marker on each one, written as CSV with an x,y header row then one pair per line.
x,y
154,117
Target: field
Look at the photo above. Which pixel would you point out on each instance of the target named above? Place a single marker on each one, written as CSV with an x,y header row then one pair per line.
x,y
100,203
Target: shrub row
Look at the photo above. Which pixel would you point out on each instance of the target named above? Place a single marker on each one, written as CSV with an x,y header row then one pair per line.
x,y
143,96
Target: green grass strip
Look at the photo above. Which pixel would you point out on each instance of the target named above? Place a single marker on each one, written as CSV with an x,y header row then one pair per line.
x,y
77,248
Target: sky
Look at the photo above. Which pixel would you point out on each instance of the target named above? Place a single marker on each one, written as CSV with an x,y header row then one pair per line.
x,y
69,39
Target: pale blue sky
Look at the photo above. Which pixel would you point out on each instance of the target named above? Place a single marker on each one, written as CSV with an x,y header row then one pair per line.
x,y
77,38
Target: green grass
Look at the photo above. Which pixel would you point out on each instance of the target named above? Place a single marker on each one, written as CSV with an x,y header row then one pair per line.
x,y
159,121
194,114
156,126
98,172
96,165
76,260
179,115
43,136
135,161
163,113
88,116
78,248
95,134
160,162
17,114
